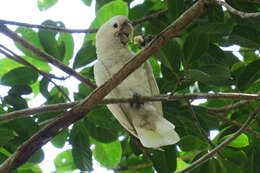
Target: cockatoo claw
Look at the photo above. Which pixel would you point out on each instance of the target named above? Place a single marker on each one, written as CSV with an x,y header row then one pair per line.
x,y
136,103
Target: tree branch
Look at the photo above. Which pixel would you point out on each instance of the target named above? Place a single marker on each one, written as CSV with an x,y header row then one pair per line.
x,y
51,28
209,155
16,38
61,106
198,125
31,111
133,167
234,123
45,134
151,16
20,60
229,107
59,29
235,11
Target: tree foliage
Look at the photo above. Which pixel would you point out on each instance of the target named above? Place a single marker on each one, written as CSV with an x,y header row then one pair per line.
x,y
195,61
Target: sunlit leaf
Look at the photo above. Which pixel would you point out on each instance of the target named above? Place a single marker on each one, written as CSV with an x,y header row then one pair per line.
x,y
113,8
108,154
45,4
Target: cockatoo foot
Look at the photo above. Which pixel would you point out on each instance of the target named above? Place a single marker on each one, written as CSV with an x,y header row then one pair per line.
x,y
136,103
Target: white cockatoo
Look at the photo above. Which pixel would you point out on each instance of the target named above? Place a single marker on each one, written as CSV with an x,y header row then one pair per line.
x,y
145,121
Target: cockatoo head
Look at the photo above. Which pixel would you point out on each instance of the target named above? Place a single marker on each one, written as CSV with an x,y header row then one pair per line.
x,y
115,33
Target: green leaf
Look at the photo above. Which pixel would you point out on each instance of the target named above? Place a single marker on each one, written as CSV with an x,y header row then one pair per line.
x,y
101,125
140,10
108,154
165,161
37,157
83,92
250,74
64,162
170,56
59,140
81,152
245,36
19,76
32,37
87,2
195,45
133,160
45,4
212,166
6,136
24,127
190,143
109,10
49,42
210,74
20,90
237,156
56,96
215,14
239,142
214,55
181,164
175,8
85,55
156,66
229,166
44,87
215,31
88,72
67,41
29,168
16,101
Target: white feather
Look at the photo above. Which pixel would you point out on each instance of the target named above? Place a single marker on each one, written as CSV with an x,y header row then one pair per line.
x,y
146,123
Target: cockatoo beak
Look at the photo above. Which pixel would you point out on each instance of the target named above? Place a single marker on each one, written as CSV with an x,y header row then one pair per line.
x,y
125,32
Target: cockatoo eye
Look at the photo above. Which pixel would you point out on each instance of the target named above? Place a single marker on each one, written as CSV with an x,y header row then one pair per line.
x,y
115,25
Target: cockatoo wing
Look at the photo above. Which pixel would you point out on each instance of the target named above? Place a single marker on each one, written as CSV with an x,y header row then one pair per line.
x,y
102,75
153,85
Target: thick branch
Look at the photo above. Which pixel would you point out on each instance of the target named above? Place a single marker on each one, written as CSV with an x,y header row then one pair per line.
x,y
15,37
24,152
61,106
20,60
235,11
209,155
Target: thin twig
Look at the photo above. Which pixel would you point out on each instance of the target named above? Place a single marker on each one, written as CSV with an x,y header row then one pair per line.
x,y
61,106
198,125
134,167
20,60
229,107
209,155
60,29
251,1
237,12
151,16
16,38
234,123
52,28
